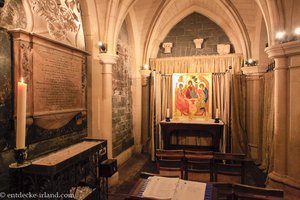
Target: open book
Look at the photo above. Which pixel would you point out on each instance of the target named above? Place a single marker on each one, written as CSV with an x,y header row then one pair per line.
x,y
174,189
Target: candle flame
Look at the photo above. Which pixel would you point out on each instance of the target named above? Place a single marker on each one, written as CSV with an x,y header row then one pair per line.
x,y
22,80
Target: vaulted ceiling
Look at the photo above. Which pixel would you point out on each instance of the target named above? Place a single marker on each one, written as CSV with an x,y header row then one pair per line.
x,y
249,24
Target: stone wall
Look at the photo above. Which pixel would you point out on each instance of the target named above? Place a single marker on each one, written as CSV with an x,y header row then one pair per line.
x,y
191,27
39,140
13,15
122,97
5,91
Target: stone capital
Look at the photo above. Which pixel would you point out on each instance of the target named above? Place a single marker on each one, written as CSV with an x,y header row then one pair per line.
x,y
167,47
252,70
105,58
198,42
284,49
145,74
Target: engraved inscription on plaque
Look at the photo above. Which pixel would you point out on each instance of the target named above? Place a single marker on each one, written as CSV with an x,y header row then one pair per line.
x,y
57,81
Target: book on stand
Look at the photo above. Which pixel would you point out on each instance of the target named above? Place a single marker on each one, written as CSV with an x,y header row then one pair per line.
x,y
164,188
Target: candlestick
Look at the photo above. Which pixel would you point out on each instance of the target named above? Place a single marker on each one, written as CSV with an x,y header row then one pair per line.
x,y
21,115
217,116
21,159
168,115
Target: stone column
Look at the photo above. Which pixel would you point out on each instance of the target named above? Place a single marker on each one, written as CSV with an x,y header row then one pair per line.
x,y
145,74
280,108
280,114
137,112
94,97
286,171
107,61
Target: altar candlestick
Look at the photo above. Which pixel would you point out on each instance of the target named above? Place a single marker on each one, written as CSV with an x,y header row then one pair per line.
x,y
21,115
168,113
217,113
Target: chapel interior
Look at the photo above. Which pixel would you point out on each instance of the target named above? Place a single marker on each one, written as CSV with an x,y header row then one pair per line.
x,y
88,86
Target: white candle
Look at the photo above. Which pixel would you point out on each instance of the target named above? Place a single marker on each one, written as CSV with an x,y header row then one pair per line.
x,y
21,115
146,67
217,113
168,113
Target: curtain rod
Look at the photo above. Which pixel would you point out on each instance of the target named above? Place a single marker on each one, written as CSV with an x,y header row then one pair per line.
x,y
214,73
232,55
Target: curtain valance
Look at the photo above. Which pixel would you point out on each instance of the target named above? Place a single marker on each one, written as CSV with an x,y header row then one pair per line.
x,y
198,64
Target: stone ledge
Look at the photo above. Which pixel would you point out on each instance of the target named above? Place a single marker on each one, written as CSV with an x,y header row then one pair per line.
x,y
105,58
284,179
289,186
124,156
254,70
284,50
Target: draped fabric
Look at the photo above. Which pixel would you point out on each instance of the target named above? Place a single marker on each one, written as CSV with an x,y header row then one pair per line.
x,y
239,134
240,140
161,99
197,64
221,100
268,123
161,87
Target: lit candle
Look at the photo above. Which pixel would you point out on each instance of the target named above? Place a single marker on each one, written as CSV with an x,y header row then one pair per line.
x,y
217,113
168,113
146,67
21,115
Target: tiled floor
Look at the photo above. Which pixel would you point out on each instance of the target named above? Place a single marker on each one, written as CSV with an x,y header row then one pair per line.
x,y
130,171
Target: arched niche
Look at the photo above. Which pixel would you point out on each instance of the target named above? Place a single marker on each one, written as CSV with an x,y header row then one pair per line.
x,y
162,27
195,26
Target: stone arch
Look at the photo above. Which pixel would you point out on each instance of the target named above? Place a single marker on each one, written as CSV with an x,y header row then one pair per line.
x,y
91,31
160,30
29,17
273,15
90,26
116,12
122,17
260,41
238,25
134,37
135,40
190,27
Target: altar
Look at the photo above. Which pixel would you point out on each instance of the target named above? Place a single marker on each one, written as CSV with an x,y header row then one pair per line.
x,y
198,128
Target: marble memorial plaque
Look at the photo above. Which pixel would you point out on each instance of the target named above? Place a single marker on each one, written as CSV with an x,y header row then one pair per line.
x,y
57,81
56,78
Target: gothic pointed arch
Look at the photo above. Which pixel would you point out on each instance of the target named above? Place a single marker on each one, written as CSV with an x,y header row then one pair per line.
x,y
168,17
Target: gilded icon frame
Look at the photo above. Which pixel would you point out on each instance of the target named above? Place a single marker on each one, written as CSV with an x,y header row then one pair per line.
x,y
192,95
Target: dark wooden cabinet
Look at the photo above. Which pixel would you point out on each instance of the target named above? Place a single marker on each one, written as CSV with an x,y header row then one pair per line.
x,y
108,168
59,172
